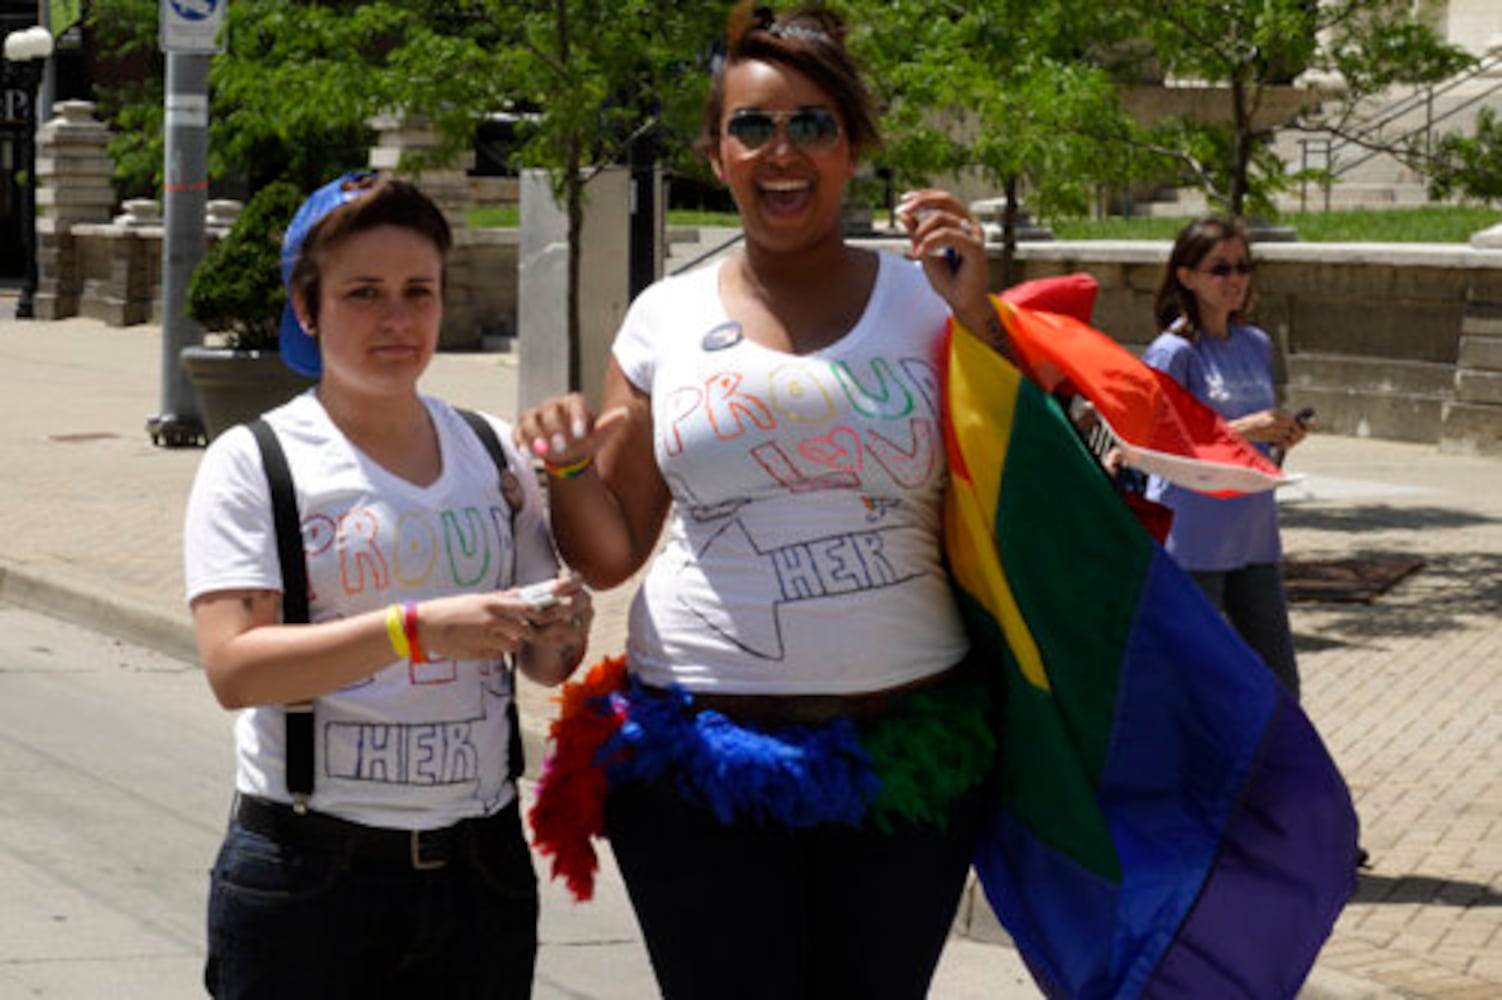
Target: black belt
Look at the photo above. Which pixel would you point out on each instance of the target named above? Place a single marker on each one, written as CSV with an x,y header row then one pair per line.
x,y
424,850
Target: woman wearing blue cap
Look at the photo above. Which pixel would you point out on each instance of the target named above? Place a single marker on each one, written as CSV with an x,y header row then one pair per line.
x,y
375,845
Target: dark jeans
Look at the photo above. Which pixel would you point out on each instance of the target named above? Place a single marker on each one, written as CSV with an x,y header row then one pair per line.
x,y
764,911
1252,598
288,922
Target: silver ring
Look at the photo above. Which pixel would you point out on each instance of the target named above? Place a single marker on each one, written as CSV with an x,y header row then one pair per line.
x,y
576,621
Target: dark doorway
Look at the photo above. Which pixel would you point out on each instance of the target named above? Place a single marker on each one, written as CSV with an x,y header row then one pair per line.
x,y
12,242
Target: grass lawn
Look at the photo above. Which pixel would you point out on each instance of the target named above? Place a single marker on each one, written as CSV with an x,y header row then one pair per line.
x,y
1431,224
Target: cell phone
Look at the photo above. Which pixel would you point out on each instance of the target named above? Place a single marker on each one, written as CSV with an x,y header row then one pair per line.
x,y
539,595
1305,415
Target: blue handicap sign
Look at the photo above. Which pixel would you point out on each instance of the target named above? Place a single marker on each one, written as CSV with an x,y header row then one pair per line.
x,y
192,25
194,10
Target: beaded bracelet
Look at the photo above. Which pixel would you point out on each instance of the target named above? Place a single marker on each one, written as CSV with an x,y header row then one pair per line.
x,y
571,470
409,623
396,632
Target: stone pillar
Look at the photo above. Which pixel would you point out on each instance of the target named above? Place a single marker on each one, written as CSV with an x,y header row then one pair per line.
x,y
1472,421
448,184
542,284
219,217
73,174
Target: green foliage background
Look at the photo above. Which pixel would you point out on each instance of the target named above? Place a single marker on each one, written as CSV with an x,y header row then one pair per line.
x,y
237,287
1024,93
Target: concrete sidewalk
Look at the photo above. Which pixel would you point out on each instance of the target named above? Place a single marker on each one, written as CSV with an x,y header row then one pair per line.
x,y
1406,690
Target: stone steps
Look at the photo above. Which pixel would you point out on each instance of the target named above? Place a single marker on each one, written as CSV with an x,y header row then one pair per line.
x,y
1371,397
1473,419
1379,182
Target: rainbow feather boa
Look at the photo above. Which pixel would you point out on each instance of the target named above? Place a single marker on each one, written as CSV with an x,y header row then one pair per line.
x,y
935,744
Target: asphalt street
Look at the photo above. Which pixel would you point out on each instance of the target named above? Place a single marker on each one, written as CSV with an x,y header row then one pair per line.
x,y
117,768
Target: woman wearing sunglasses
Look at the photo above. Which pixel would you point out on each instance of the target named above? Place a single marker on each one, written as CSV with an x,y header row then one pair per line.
x,y
793,793
1230,546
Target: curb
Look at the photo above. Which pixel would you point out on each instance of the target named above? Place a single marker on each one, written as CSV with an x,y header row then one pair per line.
x,y
113,615
82,605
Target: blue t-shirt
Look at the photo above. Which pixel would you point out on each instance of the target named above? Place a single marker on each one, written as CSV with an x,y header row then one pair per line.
x,y
1234,376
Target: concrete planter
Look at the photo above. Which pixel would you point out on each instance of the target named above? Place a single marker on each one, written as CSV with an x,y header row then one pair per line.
x,y
236,386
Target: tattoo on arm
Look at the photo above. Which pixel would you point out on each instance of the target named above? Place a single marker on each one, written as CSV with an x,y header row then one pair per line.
x,y
251,601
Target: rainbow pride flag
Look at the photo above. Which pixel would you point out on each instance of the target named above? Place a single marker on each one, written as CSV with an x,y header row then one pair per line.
x,y
1159,425
1167,821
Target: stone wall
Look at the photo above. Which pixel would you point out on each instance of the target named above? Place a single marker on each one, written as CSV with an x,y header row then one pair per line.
x,y
109,269
479,301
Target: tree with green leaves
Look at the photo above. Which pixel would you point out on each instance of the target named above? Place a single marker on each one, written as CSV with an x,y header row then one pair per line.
x,y
1250,46
294,92
290,97
1470,166
598,76
1019,92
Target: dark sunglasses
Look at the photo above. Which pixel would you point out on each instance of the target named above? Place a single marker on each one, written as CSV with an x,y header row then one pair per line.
x,y
812,130
1245,268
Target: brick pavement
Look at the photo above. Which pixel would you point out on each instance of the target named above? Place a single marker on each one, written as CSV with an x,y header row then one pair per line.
x,y
1407,690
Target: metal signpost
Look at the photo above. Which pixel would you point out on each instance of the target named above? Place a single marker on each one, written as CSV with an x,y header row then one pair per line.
x,y
190,35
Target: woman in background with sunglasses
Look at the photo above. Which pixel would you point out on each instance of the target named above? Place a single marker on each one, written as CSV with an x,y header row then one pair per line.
x,y
1230,546
793,797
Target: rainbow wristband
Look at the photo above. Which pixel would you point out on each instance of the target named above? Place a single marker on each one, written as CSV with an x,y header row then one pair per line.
x,y
570,471
409,628
396,633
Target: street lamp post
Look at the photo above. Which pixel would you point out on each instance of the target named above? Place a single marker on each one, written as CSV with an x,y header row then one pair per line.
x,y
27,51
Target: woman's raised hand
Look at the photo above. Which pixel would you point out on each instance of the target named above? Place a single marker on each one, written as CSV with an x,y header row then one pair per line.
x,y
952,247
562,431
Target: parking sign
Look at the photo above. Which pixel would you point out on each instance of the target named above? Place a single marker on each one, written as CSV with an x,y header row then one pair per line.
x,y
192,25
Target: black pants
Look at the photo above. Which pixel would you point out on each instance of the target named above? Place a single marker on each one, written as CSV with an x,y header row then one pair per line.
x,y
764,911
288,921
1252,598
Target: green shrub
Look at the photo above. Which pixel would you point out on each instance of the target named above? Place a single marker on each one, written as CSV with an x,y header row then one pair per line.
x,y
237,287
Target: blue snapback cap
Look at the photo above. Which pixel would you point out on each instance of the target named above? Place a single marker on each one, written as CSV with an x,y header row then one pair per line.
x,y
298,348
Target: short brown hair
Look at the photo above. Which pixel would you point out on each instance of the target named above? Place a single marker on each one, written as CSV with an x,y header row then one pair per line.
x,y
810,40
388,201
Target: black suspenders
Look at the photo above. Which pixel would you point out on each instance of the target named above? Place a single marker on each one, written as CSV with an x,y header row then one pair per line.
x,y
511,493
289,552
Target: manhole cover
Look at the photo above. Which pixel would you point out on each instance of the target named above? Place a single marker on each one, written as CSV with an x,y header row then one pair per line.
x,y
1348,580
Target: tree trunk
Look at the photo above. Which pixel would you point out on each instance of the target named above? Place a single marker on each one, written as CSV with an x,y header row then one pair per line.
x,y
1009,233
1241,147
573,185
573,195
